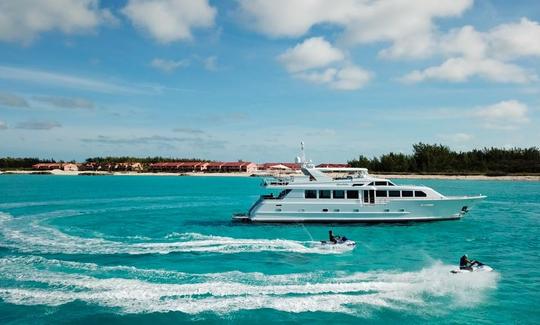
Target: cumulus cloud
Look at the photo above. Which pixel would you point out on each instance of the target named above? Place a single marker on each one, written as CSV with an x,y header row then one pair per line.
x,y
65,102
310,61
487,55
346,78
23,20
461,69
12,100
506,115
516,39
170,20
407,25
409,29
168,65
37,125
314,52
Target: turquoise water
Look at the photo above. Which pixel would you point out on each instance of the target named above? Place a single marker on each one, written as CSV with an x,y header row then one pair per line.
x,y
163,249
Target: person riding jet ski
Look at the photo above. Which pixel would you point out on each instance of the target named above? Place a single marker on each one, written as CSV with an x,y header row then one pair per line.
x,y
332,238
466,264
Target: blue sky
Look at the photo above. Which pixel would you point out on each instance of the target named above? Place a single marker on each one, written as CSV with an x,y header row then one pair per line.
x,y
251,79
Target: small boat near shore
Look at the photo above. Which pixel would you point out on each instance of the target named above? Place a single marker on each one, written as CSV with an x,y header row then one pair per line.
x,y
317,197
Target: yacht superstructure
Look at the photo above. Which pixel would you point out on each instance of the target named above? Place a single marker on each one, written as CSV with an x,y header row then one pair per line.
x,y
359,197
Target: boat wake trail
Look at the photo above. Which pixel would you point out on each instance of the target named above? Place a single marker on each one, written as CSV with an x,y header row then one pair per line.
x,y
131,290
30,235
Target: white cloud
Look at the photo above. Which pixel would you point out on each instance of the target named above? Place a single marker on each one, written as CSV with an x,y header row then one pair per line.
x,y
350,78
314,52
484,54
318,77
62,80
316,61
516,39
347,78
23,20
461,69
170,20
505,115
3,125
168,65
408,25
465,41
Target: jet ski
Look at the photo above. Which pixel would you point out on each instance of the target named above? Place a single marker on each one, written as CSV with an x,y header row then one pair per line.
x,y
478,267
340,241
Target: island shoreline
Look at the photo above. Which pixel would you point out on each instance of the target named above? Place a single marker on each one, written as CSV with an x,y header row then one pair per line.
x,y
534,178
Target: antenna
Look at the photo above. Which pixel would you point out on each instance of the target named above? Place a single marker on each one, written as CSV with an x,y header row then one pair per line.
x,y
302,152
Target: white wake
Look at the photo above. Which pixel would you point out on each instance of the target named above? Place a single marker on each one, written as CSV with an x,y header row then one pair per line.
x,y
30,235
429,290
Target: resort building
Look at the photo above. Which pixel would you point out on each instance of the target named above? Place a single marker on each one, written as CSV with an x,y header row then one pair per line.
x,y
47,166
177,167
71,167
238,167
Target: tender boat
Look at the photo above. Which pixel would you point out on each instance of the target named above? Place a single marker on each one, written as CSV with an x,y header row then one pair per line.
x,y
316,197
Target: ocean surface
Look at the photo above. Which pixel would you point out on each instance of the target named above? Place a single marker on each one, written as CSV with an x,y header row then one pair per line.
x,y
89,249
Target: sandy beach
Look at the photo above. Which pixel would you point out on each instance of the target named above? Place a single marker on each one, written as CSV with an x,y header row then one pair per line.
x,y
534,178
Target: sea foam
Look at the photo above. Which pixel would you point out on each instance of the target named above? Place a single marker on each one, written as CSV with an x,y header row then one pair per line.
x,y
227,292
29,234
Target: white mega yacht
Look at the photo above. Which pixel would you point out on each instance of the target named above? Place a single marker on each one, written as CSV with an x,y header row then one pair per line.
x,y
317,197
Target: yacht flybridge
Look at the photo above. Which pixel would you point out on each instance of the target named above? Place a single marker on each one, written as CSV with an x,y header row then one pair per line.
x,y
318,197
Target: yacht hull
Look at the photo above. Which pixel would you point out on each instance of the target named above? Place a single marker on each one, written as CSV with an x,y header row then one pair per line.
x,y
449,208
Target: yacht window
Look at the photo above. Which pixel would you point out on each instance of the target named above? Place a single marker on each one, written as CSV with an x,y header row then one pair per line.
x,y
381,193
419,194
393,194
339,194
390,184
407,193
324,194
352,194
324,210
370,184
381,183
358,184
310,194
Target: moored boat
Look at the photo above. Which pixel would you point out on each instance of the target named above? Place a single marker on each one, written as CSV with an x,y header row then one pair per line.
x,y
318,197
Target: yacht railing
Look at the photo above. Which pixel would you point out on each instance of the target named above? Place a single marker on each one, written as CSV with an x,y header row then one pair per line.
x,y
277,181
